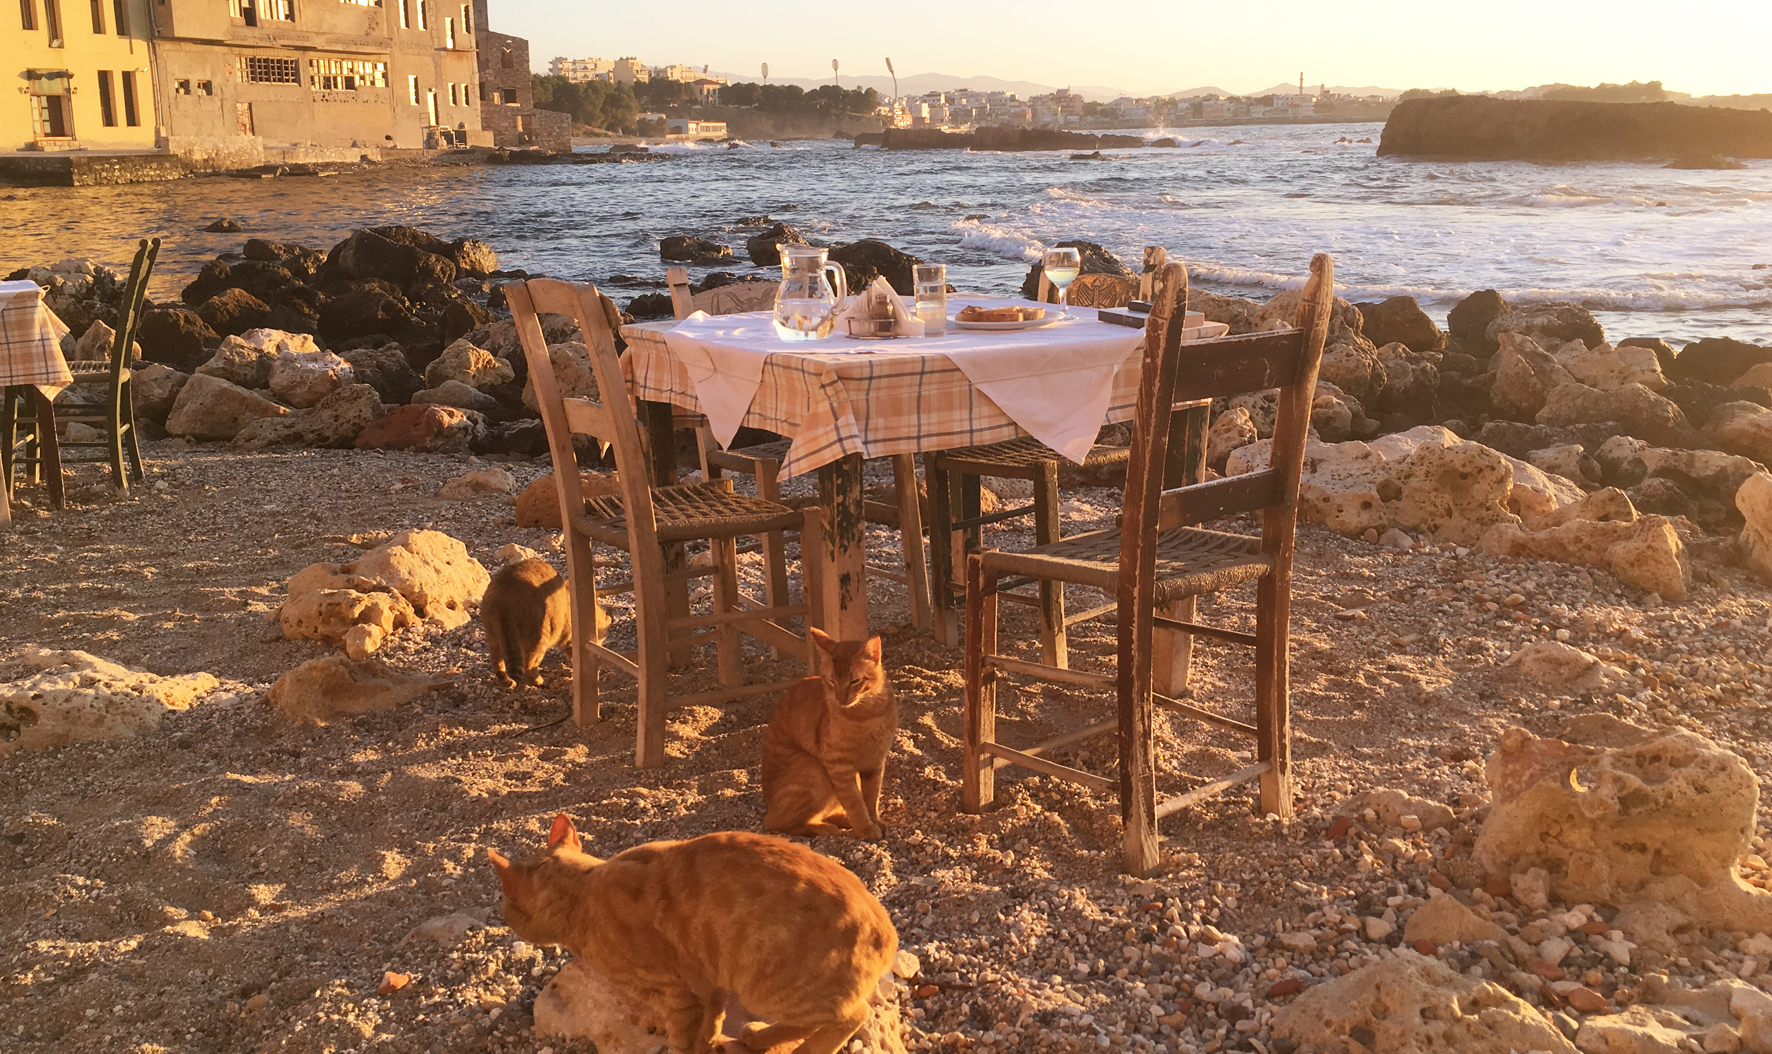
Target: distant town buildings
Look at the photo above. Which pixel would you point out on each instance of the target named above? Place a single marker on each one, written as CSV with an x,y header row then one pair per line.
x,y
630,70
221,81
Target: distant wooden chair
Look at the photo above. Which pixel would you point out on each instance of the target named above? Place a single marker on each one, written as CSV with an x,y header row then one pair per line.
x,y
1157,559
1102,290
641,521
955,519
762,462
114,376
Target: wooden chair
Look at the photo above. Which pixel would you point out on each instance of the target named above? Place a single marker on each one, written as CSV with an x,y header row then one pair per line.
x,y
1101,290
1156,559
117,420
641,521
954,478
28,443
762,462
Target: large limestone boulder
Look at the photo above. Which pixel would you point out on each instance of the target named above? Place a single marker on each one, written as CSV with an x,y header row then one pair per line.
x,y
1650,823
1555,322
572,374
1338,487
233,311
1468,321
1644,551
1525,375
1742,428
385,369
1754,500
1400,319
425,427
176,336
1717,360
1455,493
211,408
1353,366
1443,920
51,698
240,362
1713,473
1605,367
459,395
1643,413
368,254
359,616
472,366
334,421
302,379
1757,377
432,570
1230,430
1567,668
1411,382
478,484
152,388
1411,1004
539,503
326,689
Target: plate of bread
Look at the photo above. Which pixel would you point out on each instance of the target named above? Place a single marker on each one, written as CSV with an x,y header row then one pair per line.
x,y
1007,316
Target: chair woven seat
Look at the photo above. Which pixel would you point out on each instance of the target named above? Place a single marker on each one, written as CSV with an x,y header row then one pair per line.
x,y
685,513
94,370
1190,561
1026,453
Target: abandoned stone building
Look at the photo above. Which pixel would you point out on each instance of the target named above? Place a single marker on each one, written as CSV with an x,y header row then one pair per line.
x,y
507,99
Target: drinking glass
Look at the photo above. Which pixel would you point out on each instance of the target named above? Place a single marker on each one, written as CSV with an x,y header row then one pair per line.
x,y
1062,267
931,281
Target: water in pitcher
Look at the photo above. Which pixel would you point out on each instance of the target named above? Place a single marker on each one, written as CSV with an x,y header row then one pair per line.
x,y
802,318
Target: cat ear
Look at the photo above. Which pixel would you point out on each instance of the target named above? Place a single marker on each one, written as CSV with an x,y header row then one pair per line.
x,y
508,876
823,640
563,831
872,649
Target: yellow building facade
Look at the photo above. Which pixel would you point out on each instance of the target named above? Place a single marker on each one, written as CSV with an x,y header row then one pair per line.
x,y
76,75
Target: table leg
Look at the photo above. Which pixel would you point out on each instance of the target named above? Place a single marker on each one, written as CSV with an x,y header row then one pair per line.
x,y
658,419
844,552
1172,653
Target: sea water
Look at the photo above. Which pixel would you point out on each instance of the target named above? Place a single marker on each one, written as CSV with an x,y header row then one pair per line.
x,y
1652,251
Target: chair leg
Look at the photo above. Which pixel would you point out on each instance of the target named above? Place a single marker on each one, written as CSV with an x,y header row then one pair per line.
x,y
1172,653
49,450
581,580
1054,650
1273,717
775,558
727,641
941,552
8,435
651,608
131,442
812,580
114,438
978,786
910,533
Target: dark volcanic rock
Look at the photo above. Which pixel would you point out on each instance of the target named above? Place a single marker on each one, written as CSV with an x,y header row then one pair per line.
x,y
293,318
366,254
386,370
1096,260
233,311
1717,360
762,247
1698,400
176,336
210,280
684,248
473,256
225,225
361,312
651,305
1469,321
1517,440
869,258
461,315
1401,319
526,438
262,279
1549,130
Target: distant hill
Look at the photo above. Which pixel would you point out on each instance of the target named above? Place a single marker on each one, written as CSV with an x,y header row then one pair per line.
x,y
1736,102
919,83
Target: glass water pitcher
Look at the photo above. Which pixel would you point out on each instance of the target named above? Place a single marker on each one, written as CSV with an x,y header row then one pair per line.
x,y
812,292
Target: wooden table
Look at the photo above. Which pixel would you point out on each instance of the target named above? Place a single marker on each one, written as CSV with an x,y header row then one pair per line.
x,y
842,407
32,366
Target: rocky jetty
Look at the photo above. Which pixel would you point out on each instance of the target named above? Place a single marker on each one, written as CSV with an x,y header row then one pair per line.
x,y
1476,126
1005,139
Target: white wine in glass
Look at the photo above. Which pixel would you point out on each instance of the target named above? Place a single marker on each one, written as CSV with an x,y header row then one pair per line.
x,y
1062,266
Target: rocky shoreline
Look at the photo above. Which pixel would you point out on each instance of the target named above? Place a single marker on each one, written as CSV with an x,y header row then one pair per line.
x,y
1476,126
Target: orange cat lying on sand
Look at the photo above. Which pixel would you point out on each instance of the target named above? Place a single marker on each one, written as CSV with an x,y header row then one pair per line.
x,y
798,939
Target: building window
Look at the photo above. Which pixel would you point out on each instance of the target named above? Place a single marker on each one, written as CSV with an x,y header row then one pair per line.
x,y
98,17
508,96
482,91
131,116
248,12
346,74
52,21
506,60
364,3
431,102
281,10
454,94
49,117
449,32
205,87
424,14
27,13
405,14
107,109
412,88
467,18
120,17
181,87
269,71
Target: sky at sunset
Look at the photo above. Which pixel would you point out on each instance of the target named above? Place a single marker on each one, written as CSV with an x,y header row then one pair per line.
x,y
1157,46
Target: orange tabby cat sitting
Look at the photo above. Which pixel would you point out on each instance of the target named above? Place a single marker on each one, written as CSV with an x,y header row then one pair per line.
x,y
824,756
798,939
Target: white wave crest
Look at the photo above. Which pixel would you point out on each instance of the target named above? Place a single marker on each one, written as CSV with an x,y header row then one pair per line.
x,y
1000,241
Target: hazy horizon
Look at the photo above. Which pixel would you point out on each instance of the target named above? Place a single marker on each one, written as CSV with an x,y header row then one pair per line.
x,y
1715,47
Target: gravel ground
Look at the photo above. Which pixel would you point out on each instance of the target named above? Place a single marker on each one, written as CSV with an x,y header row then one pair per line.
x,y
237,882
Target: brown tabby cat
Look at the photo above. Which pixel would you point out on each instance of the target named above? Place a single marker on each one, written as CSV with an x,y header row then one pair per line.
x,y
527,609
824,756
798,939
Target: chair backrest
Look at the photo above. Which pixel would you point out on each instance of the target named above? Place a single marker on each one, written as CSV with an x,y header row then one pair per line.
x,y
1102,290
611,421
135,291
1155,256
677,279
1092,290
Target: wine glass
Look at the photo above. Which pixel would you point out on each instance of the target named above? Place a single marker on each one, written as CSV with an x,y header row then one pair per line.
x,y
1062,266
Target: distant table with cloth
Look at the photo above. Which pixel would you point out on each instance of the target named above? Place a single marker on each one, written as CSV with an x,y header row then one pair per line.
x,y
31,363
841,400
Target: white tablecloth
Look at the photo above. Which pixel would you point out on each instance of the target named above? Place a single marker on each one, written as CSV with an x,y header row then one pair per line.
x,y
1054,381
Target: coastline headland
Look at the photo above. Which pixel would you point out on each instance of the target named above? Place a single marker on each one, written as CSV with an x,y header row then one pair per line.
x,y
1478,127
1000,138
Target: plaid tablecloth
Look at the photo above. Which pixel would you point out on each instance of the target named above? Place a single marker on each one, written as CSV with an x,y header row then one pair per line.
x,y
30,340
897,402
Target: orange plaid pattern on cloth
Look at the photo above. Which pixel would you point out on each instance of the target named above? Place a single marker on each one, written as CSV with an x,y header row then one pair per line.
x,y
30,340
872,404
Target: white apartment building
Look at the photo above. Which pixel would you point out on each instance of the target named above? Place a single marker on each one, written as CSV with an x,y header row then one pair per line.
x,y
580,70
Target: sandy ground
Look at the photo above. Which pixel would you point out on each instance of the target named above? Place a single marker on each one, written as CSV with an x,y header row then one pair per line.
x,y
238,882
